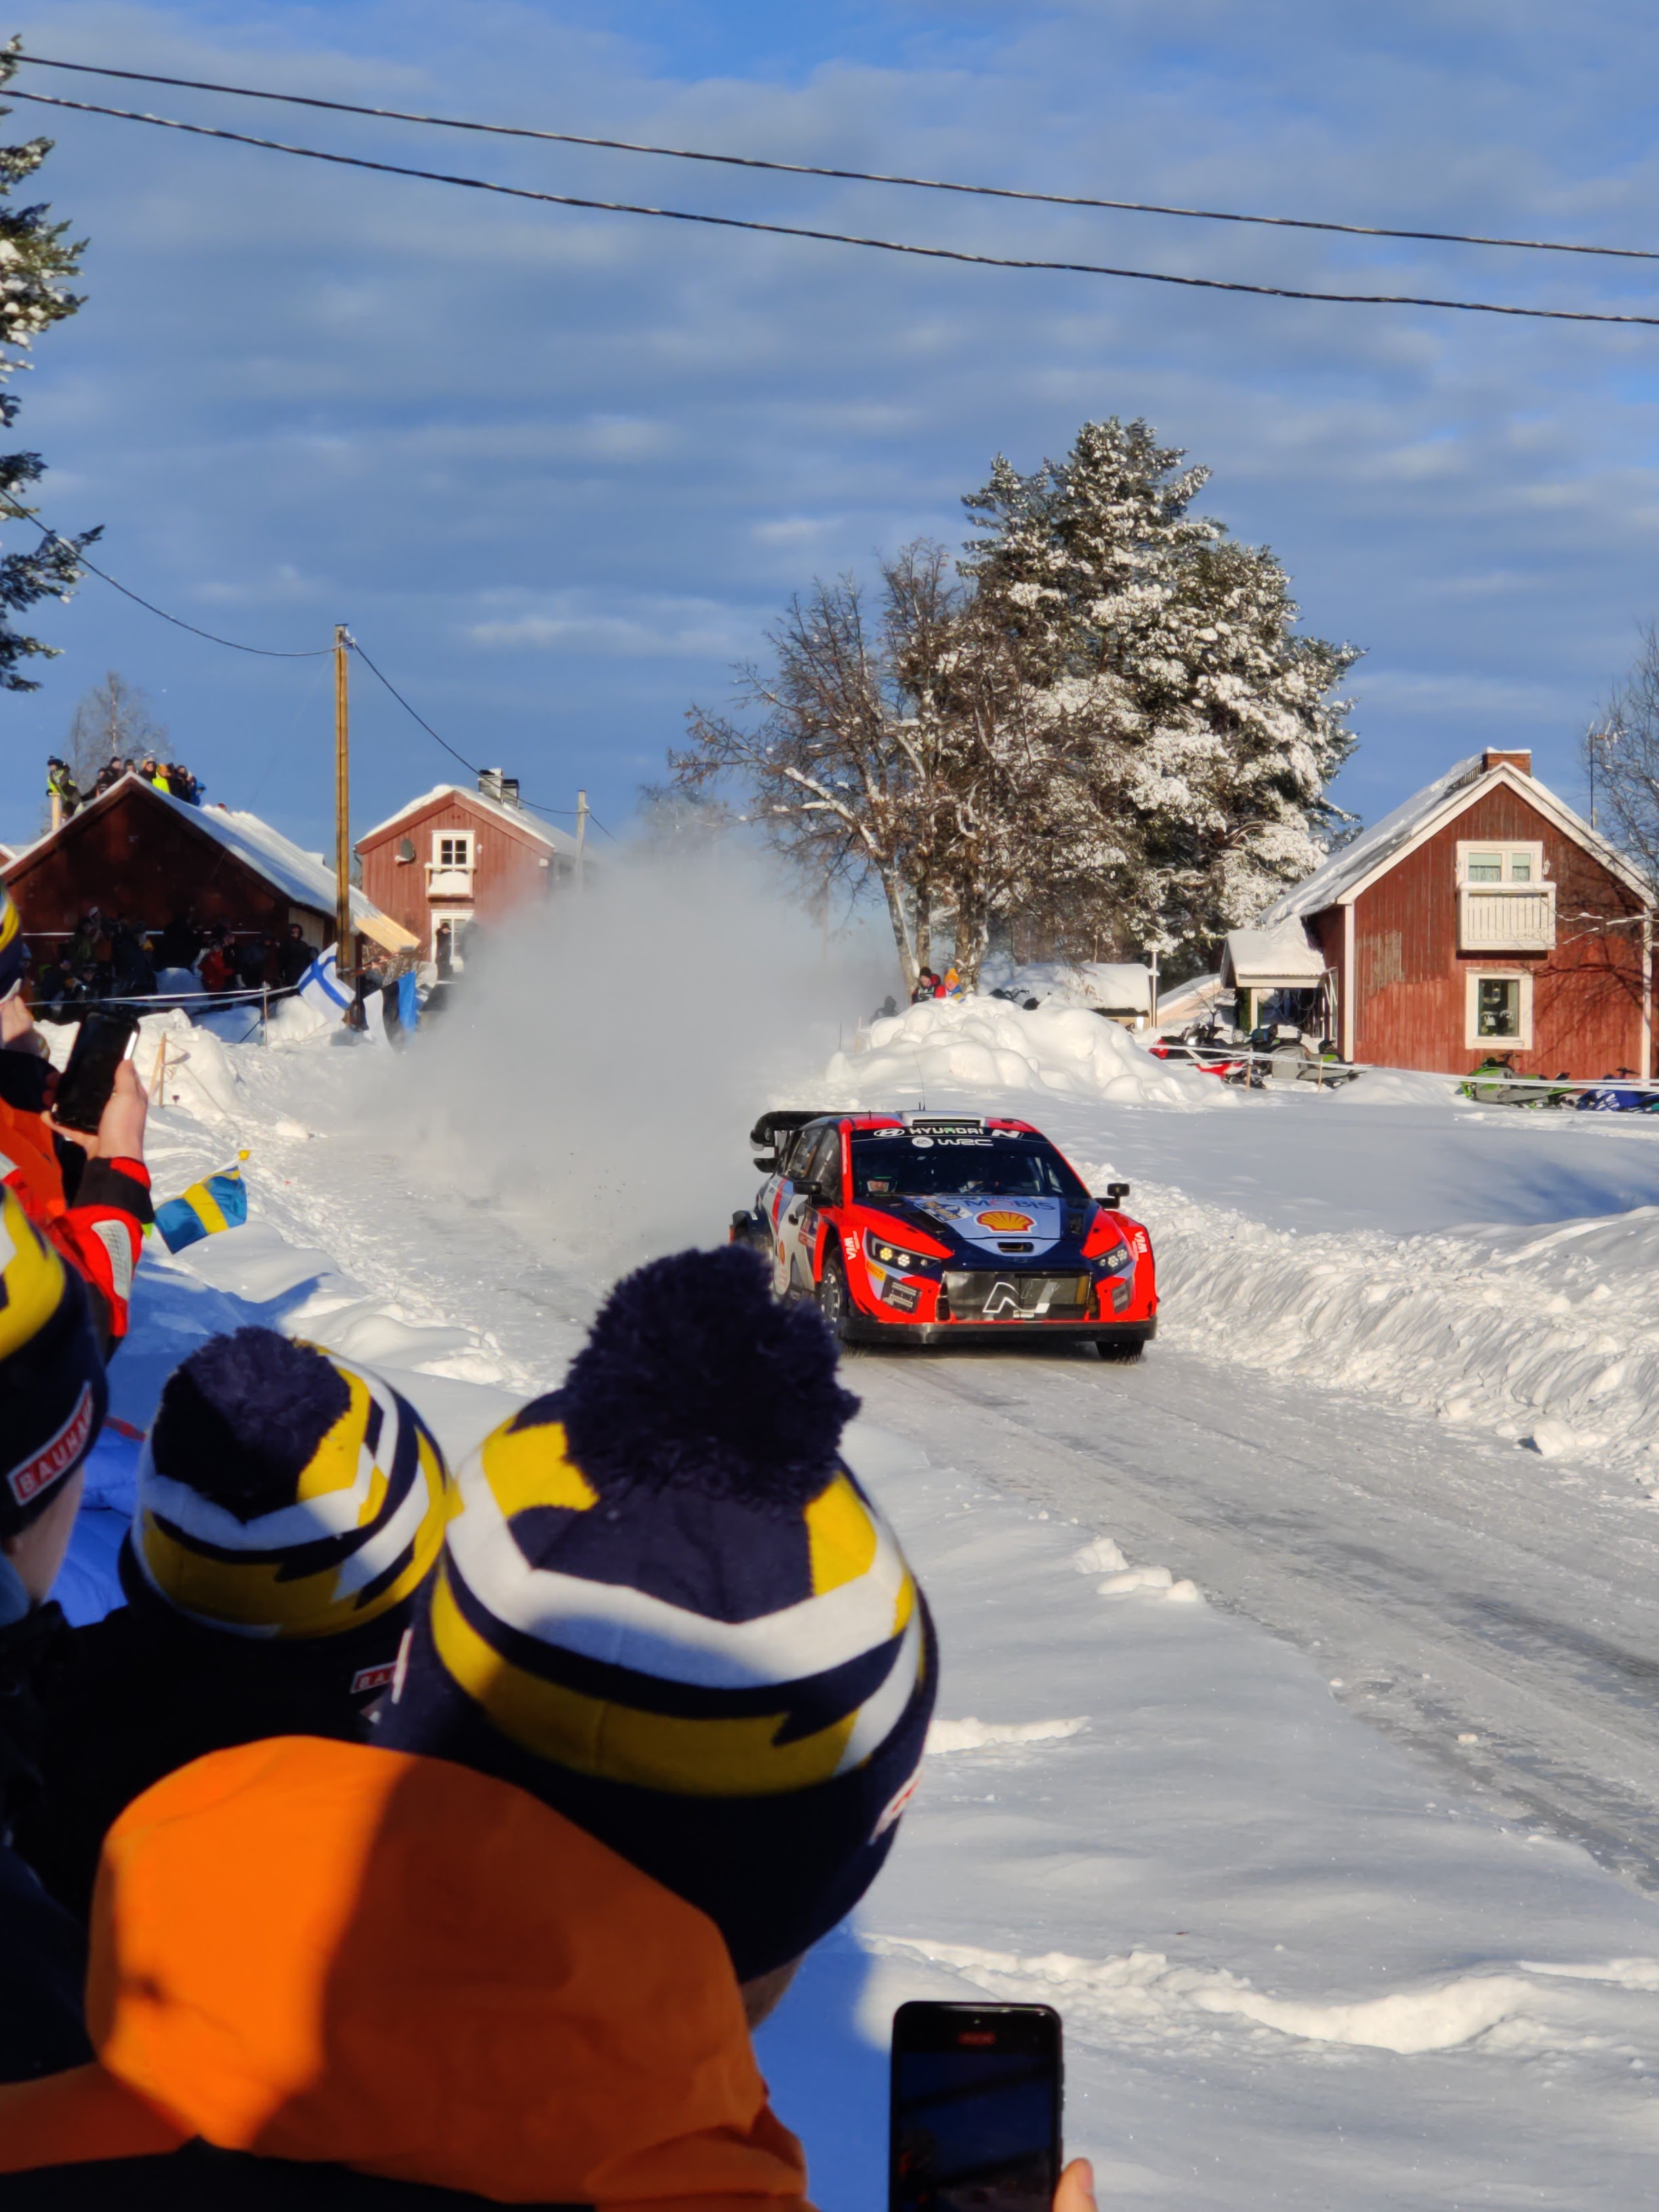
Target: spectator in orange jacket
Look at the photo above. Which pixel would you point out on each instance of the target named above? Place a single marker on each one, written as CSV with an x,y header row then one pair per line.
x,y
89,1195
52,1401
651,1740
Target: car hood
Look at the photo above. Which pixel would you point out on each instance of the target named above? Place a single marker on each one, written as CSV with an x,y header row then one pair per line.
x,y
989,1224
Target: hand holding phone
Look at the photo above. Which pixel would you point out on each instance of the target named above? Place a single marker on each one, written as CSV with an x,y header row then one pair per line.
x,y
976,2111
107,1036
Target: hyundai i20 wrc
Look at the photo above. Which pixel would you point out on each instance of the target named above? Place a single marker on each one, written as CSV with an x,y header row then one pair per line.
x,y
929,1228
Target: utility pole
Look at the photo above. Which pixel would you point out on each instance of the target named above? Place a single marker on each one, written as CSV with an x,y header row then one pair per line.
x,y
581,835
343,960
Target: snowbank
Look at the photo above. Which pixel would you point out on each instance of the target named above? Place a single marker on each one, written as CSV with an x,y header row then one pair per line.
x,y
1548,1337
987,1044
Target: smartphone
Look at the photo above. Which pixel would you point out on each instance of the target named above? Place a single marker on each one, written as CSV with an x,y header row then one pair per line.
x,y
976,2108
108,1035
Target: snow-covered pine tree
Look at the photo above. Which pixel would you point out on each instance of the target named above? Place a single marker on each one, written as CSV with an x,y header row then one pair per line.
x,y
1189,731
37,260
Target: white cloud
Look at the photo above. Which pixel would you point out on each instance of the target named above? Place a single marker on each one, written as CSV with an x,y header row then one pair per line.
x,y
532,453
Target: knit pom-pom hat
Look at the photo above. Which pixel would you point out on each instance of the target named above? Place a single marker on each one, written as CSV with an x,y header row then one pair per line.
x,y
666,1608
282,1494
14,952
53,1396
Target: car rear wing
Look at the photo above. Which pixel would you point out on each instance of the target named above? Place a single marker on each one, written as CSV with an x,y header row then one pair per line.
x,y
781,1123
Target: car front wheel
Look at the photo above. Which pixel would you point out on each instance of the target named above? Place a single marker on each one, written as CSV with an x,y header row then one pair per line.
x,y
833,1302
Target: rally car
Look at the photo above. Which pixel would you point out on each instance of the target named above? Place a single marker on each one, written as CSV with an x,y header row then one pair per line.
x,y
931,1229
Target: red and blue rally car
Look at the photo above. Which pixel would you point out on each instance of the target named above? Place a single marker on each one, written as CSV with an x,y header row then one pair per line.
x,y
926,1228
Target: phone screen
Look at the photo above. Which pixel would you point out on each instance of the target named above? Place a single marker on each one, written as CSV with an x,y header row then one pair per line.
x,y
107,1037
976,2108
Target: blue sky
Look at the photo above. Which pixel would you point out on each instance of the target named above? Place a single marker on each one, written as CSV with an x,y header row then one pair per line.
x,y
559,470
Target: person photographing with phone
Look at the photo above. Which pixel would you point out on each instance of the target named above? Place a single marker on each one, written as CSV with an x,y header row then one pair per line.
x,y
72,1146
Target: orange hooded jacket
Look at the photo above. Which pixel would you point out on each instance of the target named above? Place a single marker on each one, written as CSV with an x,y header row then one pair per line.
x,y
321,1951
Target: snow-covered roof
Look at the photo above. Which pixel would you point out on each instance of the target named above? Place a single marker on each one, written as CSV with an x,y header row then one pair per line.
x,y
1277,959
1344,869
556,841
1348,870
1197,995
303,878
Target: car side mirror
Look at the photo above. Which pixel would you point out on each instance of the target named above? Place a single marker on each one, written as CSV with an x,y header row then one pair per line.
x,y
766,1163
1116,1194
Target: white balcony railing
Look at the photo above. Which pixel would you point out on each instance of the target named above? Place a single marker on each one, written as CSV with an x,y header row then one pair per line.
x,y
1506,917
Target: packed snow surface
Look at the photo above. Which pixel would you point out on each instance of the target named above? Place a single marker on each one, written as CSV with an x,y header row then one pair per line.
x,y
1313,1904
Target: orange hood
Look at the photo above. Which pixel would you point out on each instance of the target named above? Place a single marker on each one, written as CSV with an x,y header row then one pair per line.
x,y
322,1951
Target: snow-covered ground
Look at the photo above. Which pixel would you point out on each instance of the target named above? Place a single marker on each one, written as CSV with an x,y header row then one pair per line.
x,y
1304,1959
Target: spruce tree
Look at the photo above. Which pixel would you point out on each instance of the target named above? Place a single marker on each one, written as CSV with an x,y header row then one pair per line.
x,y
36,259
1189,730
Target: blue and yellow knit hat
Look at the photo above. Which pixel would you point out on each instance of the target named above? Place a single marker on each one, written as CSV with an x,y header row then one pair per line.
x,y
53,1395
282,1493
666,1609
14,952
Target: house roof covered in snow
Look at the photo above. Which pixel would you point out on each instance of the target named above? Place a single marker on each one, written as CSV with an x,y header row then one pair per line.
x,y
1339,881
556,841
303,879
1277,959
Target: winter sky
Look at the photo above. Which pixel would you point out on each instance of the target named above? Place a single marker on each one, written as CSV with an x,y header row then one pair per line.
x,y
559,470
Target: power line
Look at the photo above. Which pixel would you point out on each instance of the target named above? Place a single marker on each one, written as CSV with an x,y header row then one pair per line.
x,y
843,238
469,766
848,176
78,555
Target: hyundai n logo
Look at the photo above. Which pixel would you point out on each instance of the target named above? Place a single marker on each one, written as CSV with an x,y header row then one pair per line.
x,y
1003,1298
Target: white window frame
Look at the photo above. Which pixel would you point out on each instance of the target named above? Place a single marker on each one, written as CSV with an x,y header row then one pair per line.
x,y
1506,848
1487,921
457,917
1475,978
465,839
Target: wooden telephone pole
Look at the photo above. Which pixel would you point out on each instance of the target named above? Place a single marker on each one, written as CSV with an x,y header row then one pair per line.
x,y
343,956
581,835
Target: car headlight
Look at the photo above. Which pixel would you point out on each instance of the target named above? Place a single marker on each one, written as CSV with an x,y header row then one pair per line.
x,y
1116,1261
886,1253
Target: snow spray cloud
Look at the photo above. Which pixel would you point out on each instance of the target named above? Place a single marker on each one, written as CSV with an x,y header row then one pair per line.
x,y
606,1055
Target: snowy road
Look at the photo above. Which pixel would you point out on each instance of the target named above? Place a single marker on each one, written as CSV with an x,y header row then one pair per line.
x,y
1297,1967
1452,1586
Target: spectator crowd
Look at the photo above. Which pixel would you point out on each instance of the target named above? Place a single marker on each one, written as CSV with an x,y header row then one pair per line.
x,y
170,777
412,1835
108,958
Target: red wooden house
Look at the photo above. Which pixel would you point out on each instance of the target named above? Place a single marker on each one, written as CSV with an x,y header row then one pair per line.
x,y
1483,916
453,856
137,852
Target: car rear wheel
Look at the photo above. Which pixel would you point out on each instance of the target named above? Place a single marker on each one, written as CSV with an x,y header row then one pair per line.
x,y
833,1301
1119,1355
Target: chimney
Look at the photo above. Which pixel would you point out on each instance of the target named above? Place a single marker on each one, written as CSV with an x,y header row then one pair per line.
x,y
490,782
1493,758
510,790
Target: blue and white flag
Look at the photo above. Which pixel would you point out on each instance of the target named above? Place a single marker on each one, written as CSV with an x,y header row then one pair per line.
x,y
320,987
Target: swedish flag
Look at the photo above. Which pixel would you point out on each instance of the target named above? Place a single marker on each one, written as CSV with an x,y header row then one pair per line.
x,y
218,1201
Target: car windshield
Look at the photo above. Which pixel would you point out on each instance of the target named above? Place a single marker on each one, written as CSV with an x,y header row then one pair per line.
x,y
896,1165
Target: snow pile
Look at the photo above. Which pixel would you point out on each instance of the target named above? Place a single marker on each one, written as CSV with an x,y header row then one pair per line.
x,y
1120,986
1288,1975
971,1045
1548,1337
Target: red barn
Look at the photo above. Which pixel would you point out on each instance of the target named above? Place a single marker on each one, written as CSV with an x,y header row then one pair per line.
x,y
139,852
454,856
1482,916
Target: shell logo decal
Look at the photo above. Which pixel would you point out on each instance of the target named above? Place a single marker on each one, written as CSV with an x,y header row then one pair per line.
x,y
1009,1222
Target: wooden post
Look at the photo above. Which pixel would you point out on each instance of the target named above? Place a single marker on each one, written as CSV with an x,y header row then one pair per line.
x,y
57,798
581,835
343,959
